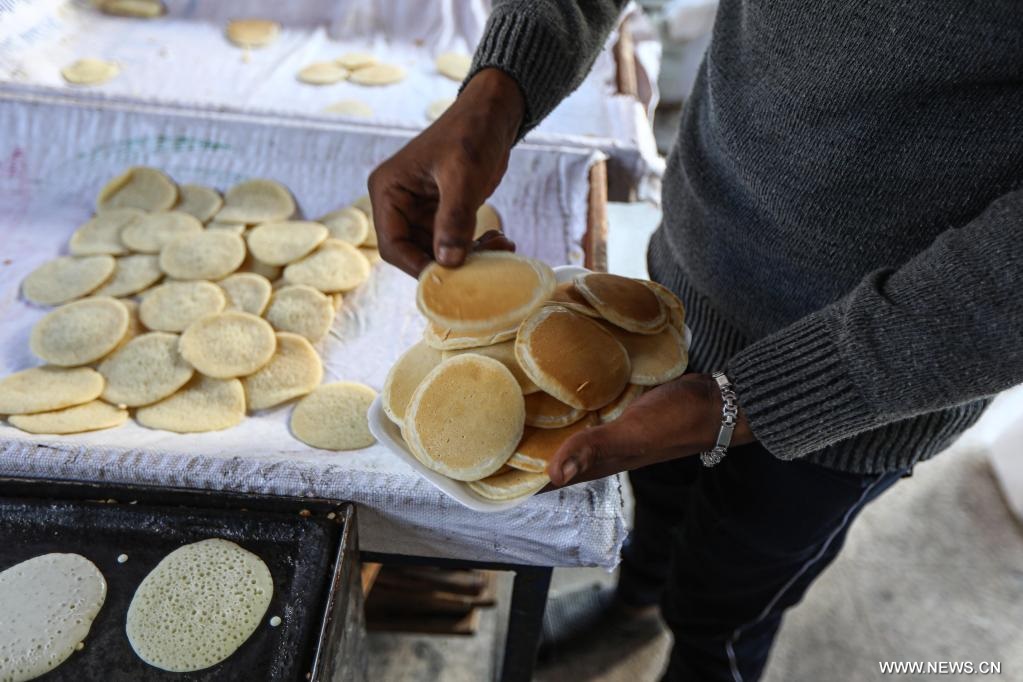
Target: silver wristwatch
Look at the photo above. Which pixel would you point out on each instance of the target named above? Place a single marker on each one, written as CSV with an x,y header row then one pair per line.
x,y
729,416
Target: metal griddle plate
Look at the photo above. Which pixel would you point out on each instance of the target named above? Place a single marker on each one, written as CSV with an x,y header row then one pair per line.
x,y
304,554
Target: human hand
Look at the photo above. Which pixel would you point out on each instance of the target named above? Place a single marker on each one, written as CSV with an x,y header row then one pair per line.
x,y
677,419
425,197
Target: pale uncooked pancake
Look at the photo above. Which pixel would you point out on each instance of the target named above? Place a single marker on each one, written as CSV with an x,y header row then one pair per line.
x,y
572,357
356,60
465,418
172,306
654,358
102,234
256,201
301,310
146,369
336,300
134,323
80,332
204,404
350,107
565,294
199,202
438,107
404,378
335,266
622,301
492,289
227,345
153,231
136,9
487,220
198,605
252,32
280,243
131,275
505,354
454,65
247,292
66,278
348,224
234,228
139,187
544,411
333,417
258,267
509,485
364,204
322,73
538,446
91,416
616,408
210,254
446,339
49,603
90,71
43,389
294,370
671,302
378,74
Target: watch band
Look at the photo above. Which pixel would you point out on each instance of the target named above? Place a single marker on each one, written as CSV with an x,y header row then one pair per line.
x,y
729,416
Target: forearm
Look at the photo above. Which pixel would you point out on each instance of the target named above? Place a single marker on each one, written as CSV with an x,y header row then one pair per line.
x,y
546,46
941,330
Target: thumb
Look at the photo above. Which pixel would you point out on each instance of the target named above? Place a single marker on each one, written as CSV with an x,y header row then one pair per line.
x,y
587,449
455,219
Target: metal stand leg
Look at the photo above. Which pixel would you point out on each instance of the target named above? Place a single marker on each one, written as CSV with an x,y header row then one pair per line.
x,y
525,622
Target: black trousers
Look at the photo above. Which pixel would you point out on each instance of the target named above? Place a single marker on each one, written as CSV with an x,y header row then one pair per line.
x,y
727,550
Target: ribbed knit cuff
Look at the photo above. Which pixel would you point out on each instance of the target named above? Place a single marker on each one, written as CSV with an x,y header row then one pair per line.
x,y
534,55
796,390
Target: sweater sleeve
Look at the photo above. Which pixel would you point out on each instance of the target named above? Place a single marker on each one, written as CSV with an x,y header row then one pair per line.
x,y
547,46
943,329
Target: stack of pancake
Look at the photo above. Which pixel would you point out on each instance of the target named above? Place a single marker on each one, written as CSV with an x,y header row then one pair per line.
x,y
512,364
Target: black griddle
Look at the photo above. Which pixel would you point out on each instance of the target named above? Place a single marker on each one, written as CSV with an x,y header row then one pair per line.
x,y
312,557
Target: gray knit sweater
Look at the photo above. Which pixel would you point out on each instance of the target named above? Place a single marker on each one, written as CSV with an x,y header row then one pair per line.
x,y
842,210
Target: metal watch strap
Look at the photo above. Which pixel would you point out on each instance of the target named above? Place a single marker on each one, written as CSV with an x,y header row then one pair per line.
x,y
729,416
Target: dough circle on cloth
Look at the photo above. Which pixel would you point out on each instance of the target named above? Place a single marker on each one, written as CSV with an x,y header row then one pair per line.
x,y
348,224
252,32
350,107
465,418
101,235
140,187
80,332
203,404
146,369
333,417
247,292
132,274
66,278
90,71
151,232
378,74
256,201
92,416
44,389
172,306
301,310
322,73
198,605
228,345
280,243
454,65
210,254
199,202
335,266
356,60
294,370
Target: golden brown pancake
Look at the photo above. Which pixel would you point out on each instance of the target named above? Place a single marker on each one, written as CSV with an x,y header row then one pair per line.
x,y
654,358
537,446
544,411
627,303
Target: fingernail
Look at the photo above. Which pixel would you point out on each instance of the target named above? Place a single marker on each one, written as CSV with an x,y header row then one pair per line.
x,y
450,255
569,470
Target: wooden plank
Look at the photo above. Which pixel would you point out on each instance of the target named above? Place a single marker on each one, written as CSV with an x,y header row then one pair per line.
x,y
595,239
625,62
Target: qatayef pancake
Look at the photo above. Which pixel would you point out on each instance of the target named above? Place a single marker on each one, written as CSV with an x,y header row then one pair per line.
x,y
49,603
509,485
612,411
404,378
447,339
547,412
572,357
565,294
653,358
493,289
505,354
671,302
465,418
538,446
624,302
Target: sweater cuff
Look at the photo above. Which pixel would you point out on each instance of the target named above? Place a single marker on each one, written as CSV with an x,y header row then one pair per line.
x,y
533,54
796,390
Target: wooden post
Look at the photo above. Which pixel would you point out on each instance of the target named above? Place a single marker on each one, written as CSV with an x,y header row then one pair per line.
x,y
595,239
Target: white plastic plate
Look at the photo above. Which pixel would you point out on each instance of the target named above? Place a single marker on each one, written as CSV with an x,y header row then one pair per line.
x,y
389,435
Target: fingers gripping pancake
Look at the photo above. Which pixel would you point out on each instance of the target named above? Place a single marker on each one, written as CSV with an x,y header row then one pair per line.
x,y
465,418
572,357
537,446
622,301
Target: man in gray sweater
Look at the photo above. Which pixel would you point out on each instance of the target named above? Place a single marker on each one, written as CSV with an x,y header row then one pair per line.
x,y
843,219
